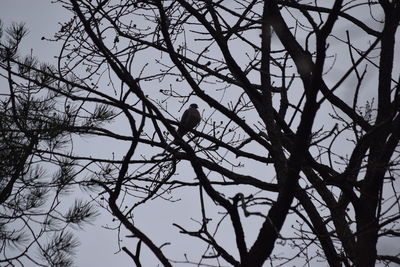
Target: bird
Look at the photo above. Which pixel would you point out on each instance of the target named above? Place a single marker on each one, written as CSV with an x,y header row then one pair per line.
x,y
190,118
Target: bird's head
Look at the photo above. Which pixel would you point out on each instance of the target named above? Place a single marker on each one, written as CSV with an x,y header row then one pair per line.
x,y
194,106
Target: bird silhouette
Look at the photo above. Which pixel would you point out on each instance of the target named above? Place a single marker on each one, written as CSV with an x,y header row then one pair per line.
x,y
190,118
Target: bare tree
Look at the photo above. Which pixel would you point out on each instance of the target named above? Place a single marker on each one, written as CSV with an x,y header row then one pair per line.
x,y
298,145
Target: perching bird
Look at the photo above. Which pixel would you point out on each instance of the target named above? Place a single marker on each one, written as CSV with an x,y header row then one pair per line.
x,y
190,118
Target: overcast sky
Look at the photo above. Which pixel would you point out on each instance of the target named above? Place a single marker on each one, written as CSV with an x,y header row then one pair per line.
x,y
42,19
98,245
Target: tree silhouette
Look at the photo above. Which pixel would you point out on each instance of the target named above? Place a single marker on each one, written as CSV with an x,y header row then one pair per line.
x,y
295,160
36,123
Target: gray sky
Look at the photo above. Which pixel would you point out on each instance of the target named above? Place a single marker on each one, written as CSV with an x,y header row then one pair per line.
x,y
41,18
98,245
